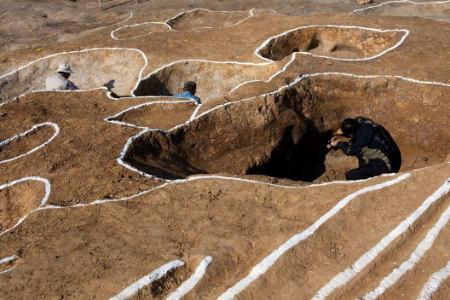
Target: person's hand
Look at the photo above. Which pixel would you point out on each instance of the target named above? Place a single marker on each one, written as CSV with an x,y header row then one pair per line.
x,y
334,142
339,132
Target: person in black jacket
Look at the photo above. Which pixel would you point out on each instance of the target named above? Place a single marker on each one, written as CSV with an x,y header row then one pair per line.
x,y
369,143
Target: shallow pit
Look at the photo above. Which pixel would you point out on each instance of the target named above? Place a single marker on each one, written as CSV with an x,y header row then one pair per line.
x,y
116,69
18,200
285,134
331,41
204,18
12,148
214,80
434,11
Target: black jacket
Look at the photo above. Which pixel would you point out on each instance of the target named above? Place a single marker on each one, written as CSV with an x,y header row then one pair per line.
x,y
370,145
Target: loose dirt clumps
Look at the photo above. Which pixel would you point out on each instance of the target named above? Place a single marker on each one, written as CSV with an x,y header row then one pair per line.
x,y
93,68
331,41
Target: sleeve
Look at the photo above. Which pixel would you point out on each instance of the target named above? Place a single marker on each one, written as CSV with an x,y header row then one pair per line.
x,y
71,86
348,149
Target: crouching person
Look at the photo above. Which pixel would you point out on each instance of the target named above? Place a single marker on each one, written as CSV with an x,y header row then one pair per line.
x,y
60,81
369,143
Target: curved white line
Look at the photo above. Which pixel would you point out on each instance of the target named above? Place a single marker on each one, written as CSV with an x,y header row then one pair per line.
x,y
5,142
434,282
189,284
83,51
403,1
267,262
43,201
345,276
7,259
419,252
146,280
405,31
297,80
109,119
223,11
134,25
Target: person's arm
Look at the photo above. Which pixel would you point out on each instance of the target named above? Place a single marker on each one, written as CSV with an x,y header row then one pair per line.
x,y
71,86
348,149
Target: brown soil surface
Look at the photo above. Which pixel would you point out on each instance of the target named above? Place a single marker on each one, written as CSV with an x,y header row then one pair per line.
x,y
138,178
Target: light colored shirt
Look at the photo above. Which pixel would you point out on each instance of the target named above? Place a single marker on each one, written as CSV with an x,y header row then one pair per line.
x,y
57,82
188,94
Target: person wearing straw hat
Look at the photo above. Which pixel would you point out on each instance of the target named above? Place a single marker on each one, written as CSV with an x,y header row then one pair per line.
x,y
60,80
189,89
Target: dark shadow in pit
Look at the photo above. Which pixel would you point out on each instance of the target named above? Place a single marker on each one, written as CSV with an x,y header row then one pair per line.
x,y
152,86
304,161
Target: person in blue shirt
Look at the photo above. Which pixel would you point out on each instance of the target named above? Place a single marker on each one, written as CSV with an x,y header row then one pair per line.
x,y
189,89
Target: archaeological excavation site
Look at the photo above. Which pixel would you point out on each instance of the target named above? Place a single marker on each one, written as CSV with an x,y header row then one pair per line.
x,y
138,185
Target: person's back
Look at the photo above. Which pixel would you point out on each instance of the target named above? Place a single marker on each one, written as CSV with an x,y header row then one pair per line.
x,y
189,90
56,82
60,81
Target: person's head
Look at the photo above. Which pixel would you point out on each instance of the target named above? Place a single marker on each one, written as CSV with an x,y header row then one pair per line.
x,y
65,70
190,86
349,127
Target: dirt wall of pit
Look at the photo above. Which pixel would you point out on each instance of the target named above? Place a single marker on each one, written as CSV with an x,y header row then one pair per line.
x,y
118,69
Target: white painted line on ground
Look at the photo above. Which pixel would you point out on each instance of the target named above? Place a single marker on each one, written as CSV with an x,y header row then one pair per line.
x,y
135,25
8,259
109,119
406,33
267,262
43,201
146,280
84,51
434,283
189,284
345,276
403,1
35,127
419,252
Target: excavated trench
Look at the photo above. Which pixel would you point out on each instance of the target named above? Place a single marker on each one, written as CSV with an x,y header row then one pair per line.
x,y
214,80
331,41
116,69
285,134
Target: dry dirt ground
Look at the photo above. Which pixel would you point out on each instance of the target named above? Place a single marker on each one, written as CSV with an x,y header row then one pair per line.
x,y
122,191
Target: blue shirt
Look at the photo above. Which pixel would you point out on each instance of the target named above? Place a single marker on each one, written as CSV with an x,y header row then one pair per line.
x,y
187,94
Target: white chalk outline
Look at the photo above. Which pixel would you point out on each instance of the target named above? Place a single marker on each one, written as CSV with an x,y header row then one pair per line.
x,y
20,135
434,282
402,1
146,280
345,276
258,270
8,259
135,25
43,201
76,52
418,253
110,119
405,31
189,284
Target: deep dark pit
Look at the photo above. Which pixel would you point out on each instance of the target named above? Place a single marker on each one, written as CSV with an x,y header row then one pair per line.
x,y
285,134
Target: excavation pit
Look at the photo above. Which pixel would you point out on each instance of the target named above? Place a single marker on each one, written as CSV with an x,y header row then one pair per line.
x,y
214,80
285,134
331,41
117,69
